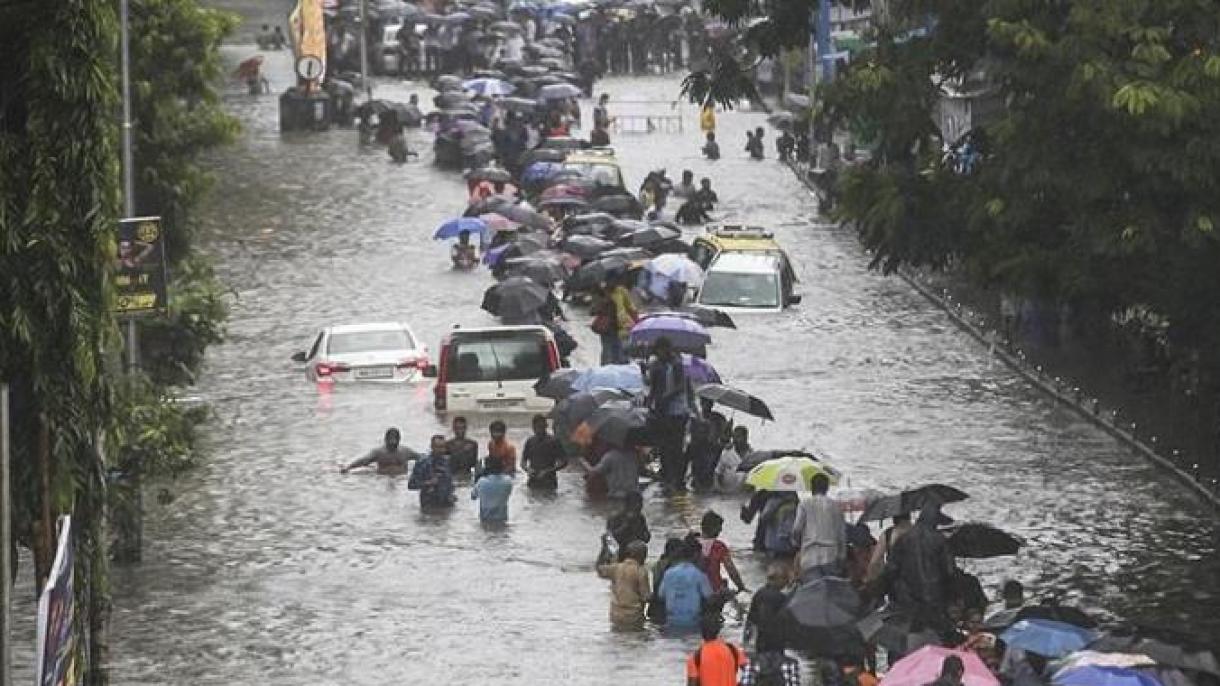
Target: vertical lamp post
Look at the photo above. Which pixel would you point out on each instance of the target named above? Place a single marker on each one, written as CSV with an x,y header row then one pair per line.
x,y
129,185
6,546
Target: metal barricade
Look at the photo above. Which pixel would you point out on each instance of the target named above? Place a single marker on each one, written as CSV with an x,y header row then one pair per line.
x,y
645,116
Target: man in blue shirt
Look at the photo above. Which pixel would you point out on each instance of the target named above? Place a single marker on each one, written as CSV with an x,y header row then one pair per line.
x,y
432,478
492,491
684,588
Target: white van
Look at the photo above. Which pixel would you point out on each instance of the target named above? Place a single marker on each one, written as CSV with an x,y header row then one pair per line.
x,y
493,369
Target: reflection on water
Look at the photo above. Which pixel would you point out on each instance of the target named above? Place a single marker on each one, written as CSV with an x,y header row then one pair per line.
x,y
272,568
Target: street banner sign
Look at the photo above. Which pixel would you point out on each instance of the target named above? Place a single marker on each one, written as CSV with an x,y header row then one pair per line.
x,y
57,661
139,267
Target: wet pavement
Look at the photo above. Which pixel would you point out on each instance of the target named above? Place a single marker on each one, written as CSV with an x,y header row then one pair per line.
x,y
272,568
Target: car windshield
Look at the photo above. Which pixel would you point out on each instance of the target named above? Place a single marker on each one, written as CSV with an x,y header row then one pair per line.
x,y
600,174
368,341
500,358
730,289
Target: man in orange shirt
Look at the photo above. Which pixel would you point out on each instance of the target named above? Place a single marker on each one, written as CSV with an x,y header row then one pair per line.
x,y
499,447
717,661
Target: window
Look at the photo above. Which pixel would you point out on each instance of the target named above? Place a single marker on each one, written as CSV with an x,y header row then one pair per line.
x,y
313,350
368,341
728,289
600,174
501,358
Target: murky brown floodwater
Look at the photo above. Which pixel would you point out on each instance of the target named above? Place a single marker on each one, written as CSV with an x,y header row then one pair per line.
x,y
271,568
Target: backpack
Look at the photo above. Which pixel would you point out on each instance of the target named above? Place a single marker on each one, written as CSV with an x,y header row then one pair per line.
x,y
732,649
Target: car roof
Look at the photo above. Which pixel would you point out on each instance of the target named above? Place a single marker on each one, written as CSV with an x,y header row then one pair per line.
x,y
737,239
593,156
367,327
475,330
746,263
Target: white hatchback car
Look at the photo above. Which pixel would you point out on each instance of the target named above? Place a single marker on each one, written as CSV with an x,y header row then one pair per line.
x,y
385,352
747,282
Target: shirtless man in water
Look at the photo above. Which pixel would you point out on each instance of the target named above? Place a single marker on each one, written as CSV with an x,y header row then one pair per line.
x,y
390,458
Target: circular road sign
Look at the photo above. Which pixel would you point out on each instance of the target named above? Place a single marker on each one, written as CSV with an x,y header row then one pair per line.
x,y
309,67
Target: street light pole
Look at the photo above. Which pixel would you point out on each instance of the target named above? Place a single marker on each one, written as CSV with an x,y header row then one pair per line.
x,y
129,184
6,545
364,50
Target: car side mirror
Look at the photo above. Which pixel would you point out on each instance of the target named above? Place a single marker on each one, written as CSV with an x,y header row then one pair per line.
x,y
794,300
299,357
430,371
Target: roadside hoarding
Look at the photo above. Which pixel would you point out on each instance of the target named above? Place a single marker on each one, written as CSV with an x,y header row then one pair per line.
x,y
139,267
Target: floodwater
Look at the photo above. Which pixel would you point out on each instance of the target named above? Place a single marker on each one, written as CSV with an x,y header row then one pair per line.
x,y
272,568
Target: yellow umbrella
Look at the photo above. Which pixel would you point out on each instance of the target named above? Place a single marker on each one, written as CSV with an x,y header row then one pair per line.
x,y
788,474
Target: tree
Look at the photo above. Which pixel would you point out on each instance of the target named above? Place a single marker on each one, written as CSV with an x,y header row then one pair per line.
x,y
58,208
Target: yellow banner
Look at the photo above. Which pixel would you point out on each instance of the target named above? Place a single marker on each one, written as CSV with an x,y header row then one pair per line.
x,y
308,33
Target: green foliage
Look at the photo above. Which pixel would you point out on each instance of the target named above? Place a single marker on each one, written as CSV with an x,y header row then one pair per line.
x,y
156,433
178,115
173,347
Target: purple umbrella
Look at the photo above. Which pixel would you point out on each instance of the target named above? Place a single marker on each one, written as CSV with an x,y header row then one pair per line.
x,y
494,256
699,370
684,334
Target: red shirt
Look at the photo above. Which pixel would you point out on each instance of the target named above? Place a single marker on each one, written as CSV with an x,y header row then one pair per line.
x,y
715,552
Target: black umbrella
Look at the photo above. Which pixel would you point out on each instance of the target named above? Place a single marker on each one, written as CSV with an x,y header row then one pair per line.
x,y
1167,648
519,104
492,174
564,201
558,384
515,297
736,399
910,501
619,205
579,406
891,630
447,82
653,235
822,615
758,457
533,70
1059,613
618,422
586,221
599,271
450,100
543,269
543,155
708,316
585,247
977,540
524,216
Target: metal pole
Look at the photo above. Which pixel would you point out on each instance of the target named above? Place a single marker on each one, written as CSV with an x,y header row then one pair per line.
x,y
364,50
6,546
129,183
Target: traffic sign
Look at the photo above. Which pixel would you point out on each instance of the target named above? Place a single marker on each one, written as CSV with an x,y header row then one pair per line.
x,y
309,67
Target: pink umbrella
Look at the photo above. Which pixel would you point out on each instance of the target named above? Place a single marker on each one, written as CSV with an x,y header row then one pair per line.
x,y
922,667
495,222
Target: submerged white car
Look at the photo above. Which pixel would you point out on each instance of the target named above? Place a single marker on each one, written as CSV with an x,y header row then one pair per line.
x,y
747,282
384,351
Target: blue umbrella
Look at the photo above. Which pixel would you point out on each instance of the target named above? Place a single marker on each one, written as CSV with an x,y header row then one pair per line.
x,y
489,87
540,171
453,227
1103,676
625,377
684,334
1047,637
495,256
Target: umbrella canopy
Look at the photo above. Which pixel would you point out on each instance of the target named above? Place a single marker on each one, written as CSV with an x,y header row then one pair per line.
x,y
707,316
600,270
561,188
585,247
496,223
825,603
796,101
451,99
579,406
625,377
519,104
1092,658
574,222
489,87
525,216
788,474
454,227
545,270
699,370
1102,676
651,236
977,540
923,667
850,499
617,422
758,457
515,297
563,201
684,334
557,385
736,399
1058,613
911,501
505,27
447,82
558,91
1170,650
621,205
678,268
780,119
492,174
1046,637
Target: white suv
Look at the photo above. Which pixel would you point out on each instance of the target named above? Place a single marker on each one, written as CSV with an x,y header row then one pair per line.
x,y
494,369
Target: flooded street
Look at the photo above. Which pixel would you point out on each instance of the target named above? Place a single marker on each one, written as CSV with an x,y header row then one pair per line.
x,y
270,567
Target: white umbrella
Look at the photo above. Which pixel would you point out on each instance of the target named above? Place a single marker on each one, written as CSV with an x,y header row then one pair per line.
x,y
676,267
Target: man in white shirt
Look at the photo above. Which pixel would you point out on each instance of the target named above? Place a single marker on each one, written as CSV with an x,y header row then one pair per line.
x,y
819,532
726,477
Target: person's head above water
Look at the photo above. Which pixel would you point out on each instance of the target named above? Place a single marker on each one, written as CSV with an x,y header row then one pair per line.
x,y
604,98
459,427
1014,594
741,437
952,669
710,626
539,424
778,574
463,237
437,445
392,439
662,348
688,176
712,524
497,429
819,484
636,550
711,136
